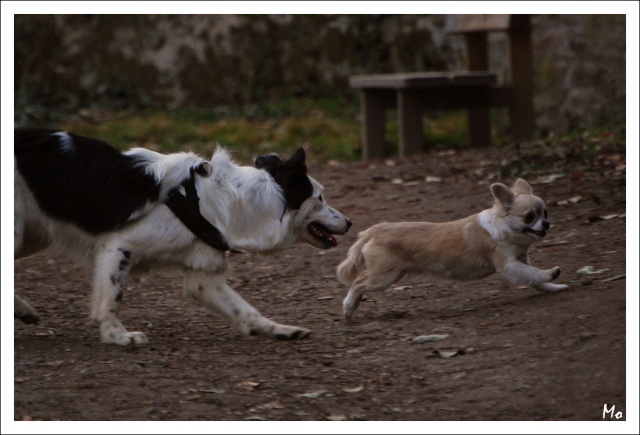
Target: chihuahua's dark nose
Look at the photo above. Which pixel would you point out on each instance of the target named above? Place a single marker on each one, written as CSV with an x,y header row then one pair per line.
x,y
545,225
348,224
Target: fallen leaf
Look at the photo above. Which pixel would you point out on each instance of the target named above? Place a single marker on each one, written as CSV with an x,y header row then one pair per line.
x,y
403,287
255,418
212,390
397,181
614,278
313,394
572,200
448,353
353,390
432,337
337,417
590,270
549,178
602,218
380,178
248,385
60,362
431,179
325,298
270,405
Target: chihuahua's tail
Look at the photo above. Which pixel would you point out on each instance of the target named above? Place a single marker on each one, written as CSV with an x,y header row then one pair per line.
x,y
351,267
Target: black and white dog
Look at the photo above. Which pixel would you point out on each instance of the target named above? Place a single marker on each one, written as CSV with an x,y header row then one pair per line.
x,y
129,211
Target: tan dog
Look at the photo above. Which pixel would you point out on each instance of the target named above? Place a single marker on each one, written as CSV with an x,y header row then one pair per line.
x,y
493,241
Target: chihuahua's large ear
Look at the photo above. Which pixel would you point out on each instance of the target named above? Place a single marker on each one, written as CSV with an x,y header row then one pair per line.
x,y
521,187
502,194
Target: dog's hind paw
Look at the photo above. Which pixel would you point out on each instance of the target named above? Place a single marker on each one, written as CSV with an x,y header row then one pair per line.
x,y
349,306
118,335
127,338
23,311
348,314
29,318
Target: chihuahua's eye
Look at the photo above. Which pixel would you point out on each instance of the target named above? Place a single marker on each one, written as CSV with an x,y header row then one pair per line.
x,y
321,198
529,217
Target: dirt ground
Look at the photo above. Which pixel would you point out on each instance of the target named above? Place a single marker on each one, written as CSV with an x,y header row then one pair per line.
x,y
511,353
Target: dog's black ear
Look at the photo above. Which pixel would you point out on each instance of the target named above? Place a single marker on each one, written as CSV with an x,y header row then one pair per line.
x,y
502,194
296,163
291,175
269,162
294,180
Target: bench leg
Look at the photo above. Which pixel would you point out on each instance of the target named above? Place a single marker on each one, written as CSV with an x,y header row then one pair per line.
x,y
373,125
409,123
479,121
521,110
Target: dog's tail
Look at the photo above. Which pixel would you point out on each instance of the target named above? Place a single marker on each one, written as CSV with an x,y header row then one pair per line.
x,y
351,267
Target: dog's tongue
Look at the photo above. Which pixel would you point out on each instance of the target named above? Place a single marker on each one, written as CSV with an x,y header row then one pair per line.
x,y
329,237
333,241
323,235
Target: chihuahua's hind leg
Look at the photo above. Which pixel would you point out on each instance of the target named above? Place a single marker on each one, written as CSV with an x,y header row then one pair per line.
x,y
23,311
367,281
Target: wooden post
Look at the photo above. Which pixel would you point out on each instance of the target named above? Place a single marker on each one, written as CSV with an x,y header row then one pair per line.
x,y
409,122
373,124
479,120
521,109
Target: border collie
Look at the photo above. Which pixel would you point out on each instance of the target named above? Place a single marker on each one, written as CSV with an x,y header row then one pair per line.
x,y
125,212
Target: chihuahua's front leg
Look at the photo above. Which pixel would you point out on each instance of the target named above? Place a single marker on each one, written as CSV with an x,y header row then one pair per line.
x,y
517,272
548,287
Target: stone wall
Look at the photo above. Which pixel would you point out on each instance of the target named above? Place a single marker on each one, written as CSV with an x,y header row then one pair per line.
x,y
73,61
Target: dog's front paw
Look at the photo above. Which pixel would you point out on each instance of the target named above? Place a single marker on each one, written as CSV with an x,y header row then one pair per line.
x,y
113,334
554,273
285,332
551,288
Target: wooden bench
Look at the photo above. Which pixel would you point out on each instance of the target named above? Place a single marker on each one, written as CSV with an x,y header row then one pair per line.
x,y
475,89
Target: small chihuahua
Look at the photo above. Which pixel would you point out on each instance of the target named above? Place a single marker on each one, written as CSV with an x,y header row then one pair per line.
x,y
493,241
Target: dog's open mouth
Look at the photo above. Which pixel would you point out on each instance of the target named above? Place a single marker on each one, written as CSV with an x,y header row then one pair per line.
x,y
322,235
534,232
